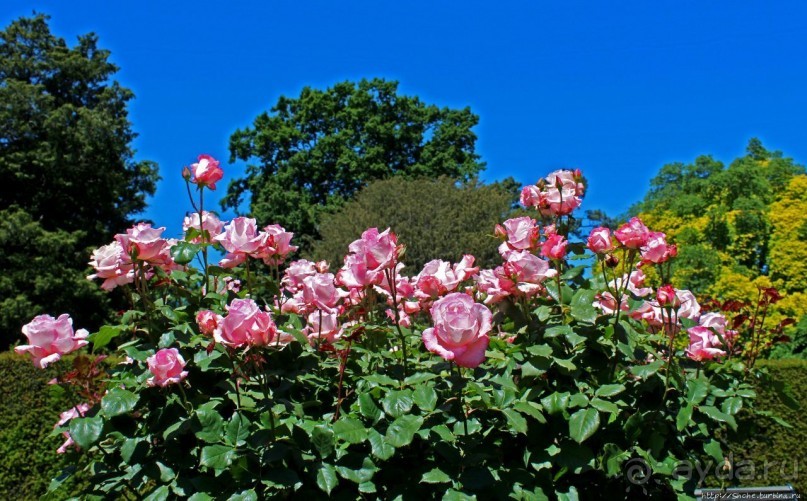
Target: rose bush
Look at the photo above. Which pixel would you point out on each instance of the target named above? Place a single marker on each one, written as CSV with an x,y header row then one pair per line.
x,y
532,380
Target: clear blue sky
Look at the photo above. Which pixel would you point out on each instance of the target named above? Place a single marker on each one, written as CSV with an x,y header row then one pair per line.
x,y
614,88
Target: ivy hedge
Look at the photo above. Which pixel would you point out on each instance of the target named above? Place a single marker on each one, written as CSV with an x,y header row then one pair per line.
x,y
28,459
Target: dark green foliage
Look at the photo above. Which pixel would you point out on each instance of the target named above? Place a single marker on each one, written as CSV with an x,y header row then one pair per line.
x,y
785,396
312,153
28,458
67,169
436,218
34,278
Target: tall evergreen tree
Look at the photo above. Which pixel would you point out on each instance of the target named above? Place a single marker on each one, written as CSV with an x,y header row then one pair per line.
x,y
69,178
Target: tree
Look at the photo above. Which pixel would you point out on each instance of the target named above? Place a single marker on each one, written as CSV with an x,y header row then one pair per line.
x,y
69,178
313,153
738,228
434,218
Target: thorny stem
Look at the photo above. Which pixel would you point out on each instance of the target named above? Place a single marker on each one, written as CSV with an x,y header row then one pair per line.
x,y
394,292
342,366
671,335
460,398
203,233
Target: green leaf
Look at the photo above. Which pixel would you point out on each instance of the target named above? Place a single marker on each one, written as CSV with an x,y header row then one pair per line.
x,y
249,495
566,364
358,476
211,423
732,405
350,430
645,371
684,417
604,405
452,495
322,439
558,330
217,457
540,350
184,252
368,408
161,493
568,496
583,424
397,403
367,488
118,401
326,478
712,447
578,400
237,430
717,415
530,409
516,421
401,431
425,397
380,448
556,402
420,377
104,335
435,476
697,390
609,390
85,431
130,447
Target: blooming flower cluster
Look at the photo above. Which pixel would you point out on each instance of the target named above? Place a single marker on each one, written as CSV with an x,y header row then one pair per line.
x,y
241,239
141,244
558,194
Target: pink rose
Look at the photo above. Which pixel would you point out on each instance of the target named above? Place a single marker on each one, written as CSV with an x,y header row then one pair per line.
x,y
113,264
239,239
295,273
530,196
636,284
554,247
166,366
561,193
648,312
210,223
527,272
378,250
606,302
655,250
438,277
206,172
689,305
522,233
460,331
703,344
49,338
599,240
355,274
493,285
144,241
319,292
207,321
244,324
323,327
666,297
633,234
275,245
